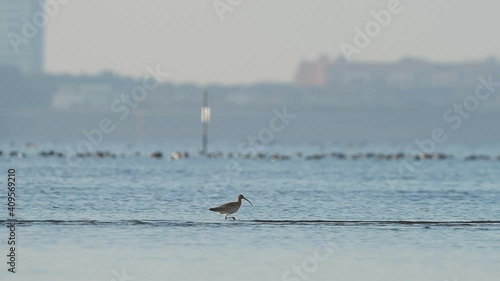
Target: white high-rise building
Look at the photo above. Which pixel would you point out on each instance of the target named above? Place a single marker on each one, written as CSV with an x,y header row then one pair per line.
x,y
22,34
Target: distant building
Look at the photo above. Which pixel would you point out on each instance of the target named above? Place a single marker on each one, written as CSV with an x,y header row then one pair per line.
x,y
407,73
312,73
21,38
84,98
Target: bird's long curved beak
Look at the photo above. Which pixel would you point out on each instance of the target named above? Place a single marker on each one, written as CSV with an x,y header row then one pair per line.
x,y
248,201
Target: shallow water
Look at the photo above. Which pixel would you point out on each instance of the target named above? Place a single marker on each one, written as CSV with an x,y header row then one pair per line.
x,y
311,220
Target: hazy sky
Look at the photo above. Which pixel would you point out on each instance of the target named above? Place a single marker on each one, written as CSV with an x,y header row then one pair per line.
x,y
260,39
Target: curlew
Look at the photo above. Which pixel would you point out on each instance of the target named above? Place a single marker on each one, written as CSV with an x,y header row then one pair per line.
x,y
230,208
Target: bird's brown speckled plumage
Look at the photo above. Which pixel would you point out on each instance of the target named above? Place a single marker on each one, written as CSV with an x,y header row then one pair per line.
x,y
230,208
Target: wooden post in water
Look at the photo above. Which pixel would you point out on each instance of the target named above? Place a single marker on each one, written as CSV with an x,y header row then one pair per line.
x,y
205,118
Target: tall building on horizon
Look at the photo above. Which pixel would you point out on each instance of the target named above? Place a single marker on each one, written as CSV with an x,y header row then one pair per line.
x,y
22,35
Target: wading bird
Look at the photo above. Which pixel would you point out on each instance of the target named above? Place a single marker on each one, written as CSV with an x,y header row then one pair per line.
x,y
230,208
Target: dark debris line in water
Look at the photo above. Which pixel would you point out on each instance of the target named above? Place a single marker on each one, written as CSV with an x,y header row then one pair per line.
x,y
495,223
381,222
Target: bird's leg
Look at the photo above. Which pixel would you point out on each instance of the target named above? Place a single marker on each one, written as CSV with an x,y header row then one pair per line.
x,y
225,217
232,218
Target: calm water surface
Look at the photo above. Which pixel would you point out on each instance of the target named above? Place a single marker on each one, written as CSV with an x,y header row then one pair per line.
x,y
149,219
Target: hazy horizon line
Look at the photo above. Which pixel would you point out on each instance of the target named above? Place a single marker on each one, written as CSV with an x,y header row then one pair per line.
x,y
331,59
